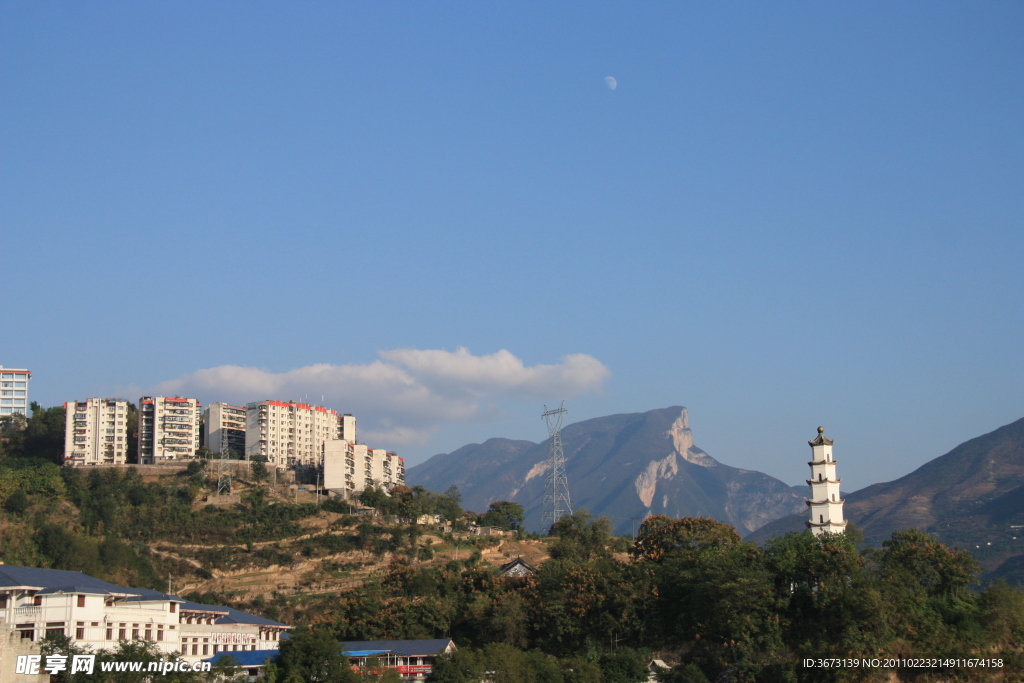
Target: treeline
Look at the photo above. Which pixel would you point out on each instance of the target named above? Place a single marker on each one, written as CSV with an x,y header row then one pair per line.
x,y
693,591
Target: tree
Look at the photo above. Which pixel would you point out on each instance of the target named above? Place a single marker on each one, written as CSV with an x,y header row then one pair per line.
x,y
581,537
624,665
17,502
447,505
259,468
505,515
458,667
315,656
42,436
255,498
661,536
914,557
684,673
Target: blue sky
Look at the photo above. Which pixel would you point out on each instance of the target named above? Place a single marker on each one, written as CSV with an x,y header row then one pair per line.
x,y
784,215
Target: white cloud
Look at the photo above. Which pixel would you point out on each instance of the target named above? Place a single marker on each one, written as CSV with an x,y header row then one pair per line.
x,y
406,396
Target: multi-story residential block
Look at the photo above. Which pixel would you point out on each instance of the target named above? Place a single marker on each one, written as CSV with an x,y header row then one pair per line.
x,y
290,433
95,432
225,425
95,615
168,428
351,468
14,391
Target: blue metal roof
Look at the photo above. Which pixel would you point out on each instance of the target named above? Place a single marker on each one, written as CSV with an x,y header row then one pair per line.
x,y
57,580
231,615
246,657
238,617
63,581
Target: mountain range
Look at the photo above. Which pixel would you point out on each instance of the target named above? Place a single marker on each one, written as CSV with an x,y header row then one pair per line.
x,y
621,466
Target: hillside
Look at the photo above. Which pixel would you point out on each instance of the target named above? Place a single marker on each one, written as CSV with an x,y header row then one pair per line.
x,y
973,496
622,466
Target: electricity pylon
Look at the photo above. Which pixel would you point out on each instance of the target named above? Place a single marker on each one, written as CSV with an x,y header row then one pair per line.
x,y
557,503
223,476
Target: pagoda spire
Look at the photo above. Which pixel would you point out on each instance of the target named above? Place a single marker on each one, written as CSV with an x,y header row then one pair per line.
x,y
826,506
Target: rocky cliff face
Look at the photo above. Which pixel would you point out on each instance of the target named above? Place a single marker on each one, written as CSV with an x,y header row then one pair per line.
x,y
621,466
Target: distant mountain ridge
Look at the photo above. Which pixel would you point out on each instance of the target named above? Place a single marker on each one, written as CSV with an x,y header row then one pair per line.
x,y
622,466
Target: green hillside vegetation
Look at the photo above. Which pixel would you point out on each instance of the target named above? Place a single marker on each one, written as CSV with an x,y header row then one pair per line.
x,y
688,591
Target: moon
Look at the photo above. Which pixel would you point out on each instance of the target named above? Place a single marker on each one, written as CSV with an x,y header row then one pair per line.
x,y
611,82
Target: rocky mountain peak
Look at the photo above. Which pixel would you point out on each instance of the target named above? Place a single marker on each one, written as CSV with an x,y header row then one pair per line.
x,y
622,466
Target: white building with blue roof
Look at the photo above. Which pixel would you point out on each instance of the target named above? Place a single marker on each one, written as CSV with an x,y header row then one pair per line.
x,y
96,614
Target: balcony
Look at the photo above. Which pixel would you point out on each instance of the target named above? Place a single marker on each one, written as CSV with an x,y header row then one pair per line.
x,y
31,611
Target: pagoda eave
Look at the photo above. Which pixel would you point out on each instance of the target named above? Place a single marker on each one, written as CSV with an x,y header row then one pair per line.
x,y
824,524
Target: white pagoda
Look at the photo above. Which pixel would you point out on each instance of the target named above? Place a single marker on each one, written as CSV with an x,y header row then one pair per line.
x,y
825,504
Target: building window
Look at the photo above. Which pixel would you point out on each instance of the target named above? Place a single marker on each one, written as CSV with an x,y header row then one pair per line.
x,y
821,519
149,634
159,634
3,602
121,634
110,633
206,649
37,600
174,608
80,634
195,649
81,601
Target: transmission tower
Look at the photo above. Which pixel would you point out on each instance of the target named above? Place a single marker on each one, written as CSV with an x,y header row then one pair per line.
x,y
556,497
223,474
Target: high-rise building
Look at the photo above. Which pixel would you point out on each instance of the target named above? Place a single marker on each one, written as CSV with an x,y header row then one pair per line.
x,y
826,506
14,391
95,432
290,433
352,467
168,428
224,423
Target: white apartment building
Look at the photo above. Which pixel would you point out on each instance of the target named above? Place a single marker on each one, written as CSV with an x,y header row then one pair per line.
x,y
224,424
290,433
95,431
168,428
351,467
96,615
14,391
